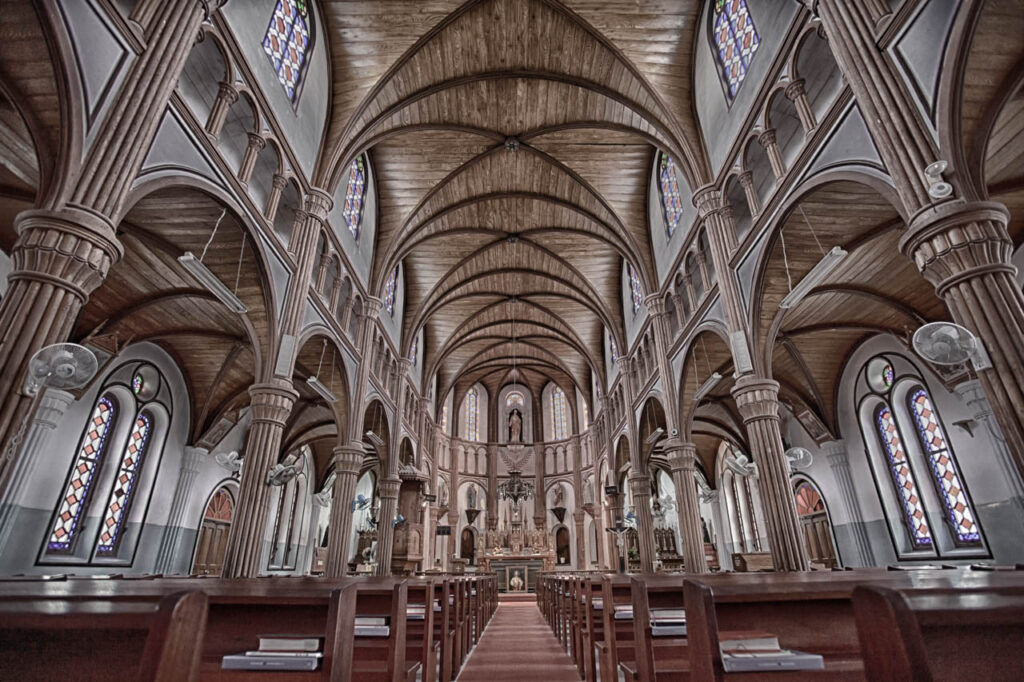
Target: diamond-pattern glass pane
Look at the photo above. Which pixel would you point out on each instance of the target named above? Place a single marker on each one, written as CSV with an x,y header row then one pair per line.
x,y
355,195
903,478
471,410
958,506
286,43
390,287
124,485
76,495
671,201
415,350
634,287
559,422
736,40
612,347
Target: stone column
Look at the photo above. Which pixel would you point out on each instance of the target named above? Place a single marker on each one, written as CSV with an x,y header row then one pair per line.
x,y
640,487
386,528
271,404
371,308
746,180
227,95
839,461
492,486
23,454
190,462
346,462
771,147
277,185
540,500
252,152
972,393
683,462
798,96
758,404
581,552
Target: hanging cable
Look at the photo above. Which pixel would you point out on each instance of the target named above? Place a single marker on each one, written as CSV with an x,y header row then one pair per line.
x,y
241,256
785,258
212,234
811,228
322,354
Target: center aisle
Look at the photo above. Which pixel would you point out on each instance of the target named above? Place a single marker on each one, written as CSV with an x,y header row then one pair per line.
x,y
518,646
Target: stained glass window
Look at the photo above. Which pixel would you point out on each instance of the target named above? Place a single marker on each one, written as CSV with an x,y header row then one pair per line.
x,y
138,383
808,501
634,287
124,485
903,479
735,40
220,507
612,347
887,376
355,195
288,42
959,511
390,287
515,399
415,349
559,422
472,426
586,415
444,418
76,495
671,201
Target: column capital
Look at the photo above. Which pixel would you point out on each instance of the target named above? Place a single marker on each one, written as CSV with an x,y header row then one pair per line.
x,y
318,203
272,402
756,398
746,179
767,137
795,89
192,458
347,459
683,458
707,200
404,365
389,488
279,182
959,240
52,407
639,484
256,141
835,451
372,307
228,92
656,304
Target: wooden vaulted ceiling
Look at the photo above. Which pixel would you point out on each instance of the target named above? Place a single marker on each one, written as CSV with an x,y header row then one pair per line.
x,y
512,142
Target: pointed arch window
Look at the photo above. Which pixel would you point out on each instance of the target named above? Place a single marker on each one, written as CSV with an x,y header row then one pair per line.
x,y
808,501
515,399
614,351
735,40
635,291
671,201
124,485
76,494
391,291
415,349
959,510
559,422
288,42
472,408
903,479
355,195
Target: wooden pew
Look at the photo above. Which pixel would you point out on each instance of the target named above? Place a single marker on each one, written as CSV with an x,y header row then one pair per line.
x,y
447,627
422,639
939,635
96,639
661,659
618,645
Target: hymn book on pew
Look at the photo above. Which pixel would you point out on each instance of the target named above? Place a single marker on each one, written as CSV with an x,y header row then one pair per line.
x,y
372,626
279,652
755,651
668,623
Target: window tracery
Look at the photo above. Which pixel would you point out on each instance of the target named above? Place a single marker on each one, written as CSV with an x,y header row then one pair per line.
x,y
472,426
390,292
559,422
635,290
735,39
288,42
671,201
355,196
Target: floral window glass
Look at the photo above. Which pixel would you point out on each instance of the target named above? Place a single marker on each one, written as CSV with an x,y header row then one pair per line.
x,y
736,41
887,376
472,425
220,507
515,399
559,423
634,287
903,479
124,485
808,501
959,511
355,195
287,43
389,292
76,495
138,383
671,202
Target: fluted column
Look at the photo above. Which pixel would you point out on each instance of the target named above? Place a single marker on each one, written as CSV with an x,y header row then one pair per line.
x,y
190,462
683,463
227,95
492,487
252,151
346,462
271,404
386,528
581,552
22,456
796,94
973,395
371,309
839,461
758,404
640,487
768,140
277,185
746,180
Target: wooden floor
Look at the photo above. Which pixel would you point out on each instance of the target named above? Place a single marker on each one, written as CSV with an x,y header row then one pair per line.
x,y
518,646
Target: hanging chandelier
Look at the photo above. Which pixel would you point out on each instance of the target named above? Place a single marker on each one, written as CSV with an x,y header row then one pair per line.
x,y
515,488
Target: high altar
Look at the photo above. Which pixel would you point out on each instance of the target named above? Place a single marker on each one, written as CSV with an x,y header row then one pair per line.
x,y
516,544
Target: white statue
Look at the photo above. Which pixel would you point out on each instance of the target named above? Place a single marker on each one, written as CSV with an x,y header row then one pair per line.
x,y
515,427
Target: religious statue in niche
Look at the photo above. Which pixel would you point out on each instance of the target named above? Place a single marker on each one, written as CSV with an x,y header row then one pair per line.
x,y
515,427
588,492
442,498
559,496
516,580
471,497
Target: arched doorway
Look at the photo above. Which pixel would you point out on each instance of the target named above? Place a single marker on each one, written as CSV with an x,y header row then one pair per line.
x,y
562,546
467,546
810,507
213,533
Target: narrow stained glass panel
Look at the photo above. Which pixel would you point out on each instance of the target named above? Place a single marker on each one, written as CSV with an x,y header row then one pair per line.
x,y
959,511
903,479
355,195
472,407
138,383
612,347
444,418
390,291
887,376
671,201
415,350
515,399
286,43
124,485
736,40
559,423
76,496
808,501
634,287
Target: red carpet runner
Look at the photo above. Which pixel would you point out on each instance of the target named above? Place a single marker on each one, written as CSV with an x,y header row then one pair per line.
x,y
518,646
